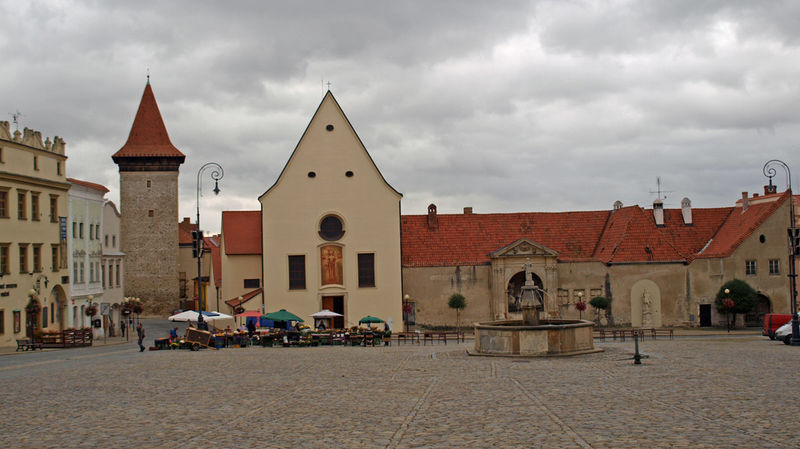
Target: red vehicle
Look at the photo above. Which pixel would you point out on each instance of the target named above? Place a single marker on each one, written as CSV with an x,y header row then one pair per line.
x,y
772,321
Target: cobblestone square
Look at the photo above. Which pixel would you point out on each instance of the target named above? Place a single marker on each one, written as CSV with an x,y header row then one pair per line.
x,y
719,392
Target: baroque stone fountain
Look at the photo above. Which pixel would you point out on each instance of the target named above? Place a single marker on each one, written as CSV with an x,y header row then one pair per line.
x,y
533,336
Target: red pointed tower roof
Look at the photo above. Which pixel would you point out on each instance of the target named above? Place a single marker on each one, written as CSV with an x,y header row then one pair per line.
x,y
148,142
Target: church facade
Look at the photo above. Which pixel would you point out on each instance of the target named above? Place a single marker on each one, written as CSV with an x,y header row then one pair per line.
x,y
330,235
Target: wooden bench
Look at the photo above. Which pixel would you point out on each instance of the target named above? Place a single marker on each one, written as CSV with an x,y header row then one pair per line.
x,y
662,332
413,336
25,344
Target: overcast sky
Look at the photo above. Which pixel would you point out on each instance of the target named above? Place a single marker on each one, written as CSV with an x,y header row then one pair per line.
x,y
503,106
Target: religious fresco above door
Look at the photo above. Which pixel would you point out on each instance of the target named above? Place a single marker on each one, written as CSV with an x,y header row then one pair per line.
x,y
331,263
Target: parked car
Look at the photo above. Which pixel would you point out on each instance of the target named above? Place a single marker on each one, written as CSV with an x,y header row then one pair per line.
x,y
772,321
784,333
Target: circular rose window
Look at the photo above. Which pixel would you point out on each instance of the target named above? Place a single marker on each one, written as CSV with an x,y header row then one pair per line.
x,y
330,228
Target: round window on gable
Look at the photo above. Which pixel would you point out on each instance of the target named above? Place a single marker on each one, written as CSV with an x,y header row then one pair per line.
x,y
761,238
330,228
348,173
311,174
329,127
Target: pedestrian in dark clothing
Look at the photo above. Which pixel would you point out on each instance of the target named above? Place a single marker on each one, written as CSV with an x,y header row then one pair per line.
x,y
123,326
251,328
140,334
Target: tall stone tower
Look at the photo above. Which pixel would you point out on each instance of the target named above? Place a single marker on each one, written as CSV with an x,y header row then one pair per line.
x,y
148,180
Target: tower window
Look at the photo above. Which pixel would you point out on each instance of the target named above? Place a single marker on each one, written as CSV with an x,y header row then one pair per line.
x,y
148,183
366,270
151,213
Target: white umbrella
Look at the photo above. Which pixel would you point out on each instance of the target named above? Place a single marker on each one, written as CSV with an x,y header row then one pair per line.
x,y
325,313
191,315
217,316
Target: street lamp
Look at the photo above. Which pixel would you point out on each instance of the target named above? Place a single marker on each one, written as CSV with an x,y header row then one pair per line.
x,y
216,174
728,303
406,310
794,246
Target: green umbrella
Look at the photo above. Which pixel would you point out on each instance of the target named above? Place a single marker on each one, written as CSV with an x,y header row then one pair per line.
x,y
370,319
282,315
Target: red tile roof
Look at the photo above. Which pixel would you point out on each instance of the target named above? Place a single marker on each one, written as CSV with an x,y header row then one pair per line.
x,y
622,236
241,230
148,136
467,239
235,302
185,229
740,224
88,184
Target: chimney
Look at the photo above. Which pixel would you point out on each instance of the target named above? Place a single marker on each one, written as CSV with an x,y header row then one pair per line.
x,y
468,211
686,211
185,220
433,220
617,205
658,212
745,202
770,189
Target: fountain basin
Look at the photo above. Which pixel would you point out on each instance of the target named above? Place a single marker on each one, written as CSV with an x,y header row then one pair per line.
x,y
549,338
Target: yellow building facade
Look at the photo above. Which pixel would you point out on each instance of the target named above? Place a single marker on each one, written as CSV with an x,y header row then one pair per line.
x,y
33,234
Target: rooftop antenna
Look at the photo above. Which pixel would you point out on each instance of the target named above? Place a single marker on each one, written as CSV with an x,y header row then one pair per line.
x,y
15,118
329,85
660,192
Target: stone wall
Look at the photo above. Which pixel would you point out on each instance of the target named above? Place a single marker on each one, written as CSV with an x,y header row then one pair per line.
x,y
150,226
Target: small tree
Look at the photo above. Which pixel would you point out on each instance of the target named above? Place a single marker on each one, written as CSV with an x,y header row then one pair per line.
x,y
744,298
458,302
599,303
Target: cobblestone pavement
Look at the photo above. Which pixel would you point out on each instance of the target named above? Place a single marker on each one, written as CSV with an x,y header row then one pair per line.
x,y
697,392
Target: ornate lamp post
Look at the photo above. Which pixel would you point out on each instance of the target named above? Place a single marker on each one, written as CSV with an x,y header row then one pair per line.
x,y
794,243
216,174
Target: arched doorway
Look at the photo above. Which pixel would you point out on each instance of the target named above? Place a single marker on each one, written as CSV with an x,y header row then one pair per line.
x,y
515,287
755,318
58,302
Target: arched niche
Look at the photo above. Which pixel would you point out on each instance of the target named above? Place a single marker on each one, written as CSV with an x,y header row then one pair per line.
x,y
645,304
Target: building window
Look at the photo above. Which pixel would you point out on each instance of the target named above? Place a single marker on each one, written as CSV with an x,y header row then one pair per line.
x,y
366,270
105,241
21,205
3,204
151,213
82,269
4,261
53,208
74,229
35,206
252,283
148,183
331,229
117,274
23,257
113,241
75,272
54,257
58,168
36,162
750,267
80,230
37,258
2,321
297,272
774,266
103,268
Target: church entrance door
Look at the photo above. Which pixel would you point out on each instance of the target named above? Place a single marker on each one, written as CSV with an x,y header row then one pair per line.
x,y
335,304
705,315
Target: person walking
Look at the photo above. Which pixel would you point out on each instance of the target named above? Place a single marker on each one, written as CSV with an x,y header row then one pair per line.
x,y
140,333
123,326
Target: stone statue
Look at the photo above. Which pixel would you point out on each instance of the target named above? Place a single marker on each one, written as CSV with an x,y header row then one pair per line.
x,y
646,313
